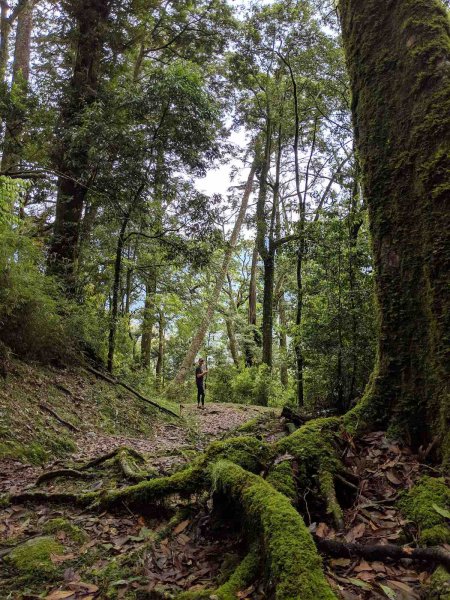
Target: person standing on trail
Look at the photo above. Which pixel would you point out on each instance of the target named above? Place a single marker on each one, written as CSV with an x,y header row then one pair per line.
x,y
200,373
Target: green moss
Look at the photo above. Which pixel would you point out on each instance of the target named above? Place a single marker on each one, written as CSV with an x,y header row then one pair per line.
x,y
282,479
398,60
417,505
33,556
436,535
293,564
59,524
439,586
248,452
187,481
313,446
242,577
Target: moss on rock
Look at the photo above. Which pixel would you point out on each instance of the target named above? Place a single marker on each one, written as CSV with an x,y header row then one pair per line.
x,y
59,524
419,503
33,556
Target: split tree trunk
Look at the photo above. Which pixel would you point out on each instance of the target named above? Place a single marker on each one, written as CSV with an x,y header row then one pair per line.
x,y
398,56
200,335
73,161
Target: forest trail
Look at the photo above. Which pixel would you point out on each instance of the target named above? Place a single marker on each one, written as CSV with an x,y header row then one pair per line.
x,y
200,426
181,545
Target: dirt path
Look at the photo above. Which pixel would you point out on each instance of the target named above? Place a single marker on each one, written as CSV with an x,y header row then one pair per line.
x,y
197,429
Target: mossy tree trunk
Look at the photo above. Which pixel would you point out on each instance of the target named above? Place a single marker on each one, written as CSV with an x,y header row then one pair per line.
x,y
398,56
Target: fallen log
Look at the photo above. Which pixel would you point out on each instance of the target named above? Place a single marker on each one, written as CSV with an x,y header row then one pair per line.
x,y
115,381
58,418
382,552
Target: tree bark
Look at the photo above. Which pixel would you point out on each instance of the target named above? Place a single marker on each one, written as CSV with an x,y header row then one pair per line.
x,y
5,30
161,349
148,320
252,301
72,160
115,293
284,378
398,56
12,147
200,334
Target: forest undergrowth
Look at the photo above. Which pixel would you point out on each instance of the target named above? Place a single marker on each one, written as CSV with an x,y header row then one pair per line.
x,y
135,540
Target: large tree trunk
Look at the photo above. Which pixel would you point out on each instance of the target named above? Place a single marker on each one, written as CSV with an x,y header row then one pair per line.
x,y
209,313
12,147
398,56
72,160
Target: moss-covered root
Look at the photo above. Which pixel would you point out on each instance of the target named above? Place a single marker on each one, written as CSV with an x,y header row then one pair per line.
x,y
424,504
240,579
329,493
127,464
188,481
293,565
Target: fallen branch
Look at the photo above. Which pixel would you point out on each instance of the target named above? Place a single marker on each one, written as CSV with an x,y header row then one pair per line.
x,y
115,381
58,418
382,552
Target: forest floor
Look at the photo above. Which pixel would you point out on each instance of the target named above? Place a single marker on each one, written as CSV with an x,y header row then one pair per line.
x,y
190,543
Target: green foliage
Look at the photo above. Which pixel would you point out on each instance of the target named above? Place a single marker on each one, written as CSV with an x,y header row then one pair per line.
x,y
252,385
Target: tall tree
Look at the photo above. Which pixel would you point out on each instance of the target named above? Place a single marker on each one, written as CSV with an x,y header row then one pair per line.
x,y
72,158
401,113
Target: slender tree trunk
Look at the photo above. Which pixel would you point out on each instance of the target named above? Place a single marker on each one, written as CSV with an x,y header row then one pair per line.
x,y
284,378
265,249
298,322
115,294
401,113
232,340
161,350
148,320
198,338
252,301
12,143
72,160
5,30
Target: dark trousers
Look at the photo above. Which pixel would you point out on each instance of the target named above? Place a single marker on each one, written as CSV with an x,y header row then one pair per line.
x,y
200,395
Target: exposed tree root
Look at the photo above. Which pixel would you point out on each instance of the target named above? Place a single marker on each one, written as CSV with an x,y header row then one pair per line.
x,y
124,457
242,577
382,552
72,473
293,565
58,418
232,467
